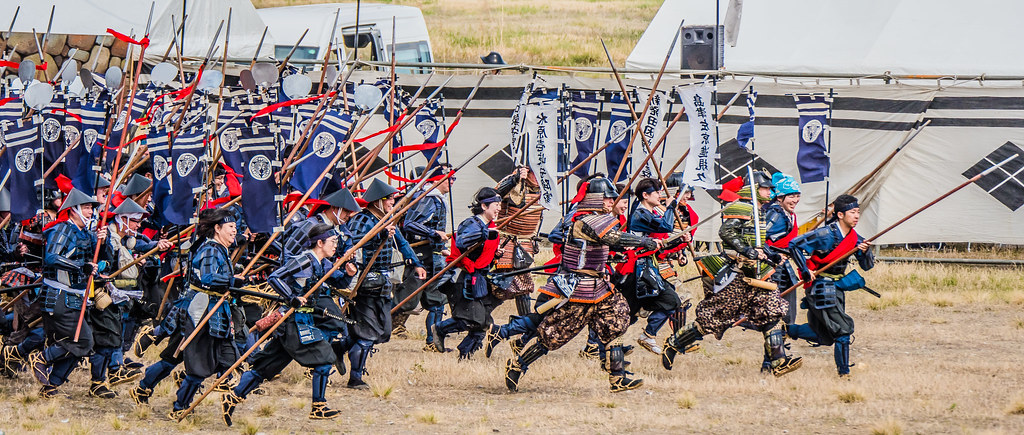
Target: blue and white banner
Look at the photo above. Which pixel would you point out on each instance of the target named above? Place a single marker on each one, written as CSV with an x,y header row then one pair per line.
x,y
619,133
812,156
652,126
585,127
260,162
24,157
700,162
324,144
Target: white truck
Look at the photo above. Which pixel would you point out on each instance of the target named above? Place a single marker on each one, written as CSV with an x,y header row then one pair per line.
x,y
412,43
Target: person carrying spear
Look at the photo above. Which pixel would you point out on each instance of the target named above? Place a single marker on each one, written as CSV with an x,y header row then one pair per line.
x,y
299,339
67,270
825,300
471,298
582,284
371,305
780,229
734,283
211,274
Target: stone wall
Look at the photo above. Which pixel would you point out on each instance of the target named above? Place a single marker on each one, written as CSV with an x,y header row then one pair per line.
x,y
95,53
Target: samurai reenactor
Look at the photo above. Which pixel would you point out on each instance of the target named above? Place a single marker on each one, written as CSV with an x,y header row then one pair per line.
x,y
372,303
735,285
582,284
425,224
20,338
518,236
825,297
298,339
651,292
472,299
125,243
211,275
68,267
780,229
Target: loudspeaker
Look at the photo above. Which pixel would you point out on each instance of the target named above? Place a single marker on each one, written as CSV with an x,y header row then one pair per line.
x,y
702,48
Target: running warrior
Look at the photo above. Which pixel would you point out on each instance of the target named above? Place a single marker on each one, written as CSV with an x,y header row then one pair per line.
x,y
299,339
735,286
518,236
825,300
371,307
20,336
68,269
213,349
471,299
653,293
587,298
424,226
781,228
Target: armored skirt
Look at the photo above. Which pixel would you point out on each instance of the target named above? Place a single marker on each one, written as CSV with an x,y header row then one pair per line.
x,y
297,339
609,318
832,322
60,320
718,311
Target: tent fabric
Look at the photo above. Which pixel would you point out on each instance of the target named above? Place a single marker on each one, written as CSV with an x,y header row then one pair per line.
x,y
94,17
904,37
869,121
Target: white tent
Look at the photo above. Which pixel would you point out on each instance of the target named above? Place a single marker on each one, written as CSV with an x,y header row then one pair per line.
x,y
94,17
904,37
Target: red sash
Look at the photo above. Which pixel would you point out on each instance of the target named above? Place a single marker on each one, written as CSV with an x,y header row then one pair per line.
x,y
485,259
847,245
784,242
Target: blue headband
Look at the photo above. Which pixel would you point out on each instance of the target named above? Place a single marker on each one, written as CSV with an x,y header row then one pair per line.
x,y
323,236
847,207
494,198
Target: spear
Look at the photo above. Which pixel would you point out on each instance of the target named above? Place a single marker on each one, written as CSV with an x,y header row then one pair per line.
x,y
632,112
650,154
174,37
3,48
890,227
194,85
284,63
117,164
337,265
327,53
258,48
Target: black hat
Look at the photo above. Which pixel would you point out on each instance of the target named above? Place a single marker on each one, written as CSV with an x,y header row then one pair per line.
x,y
77,197
135,185
763,179
342,198
603,186
378,190
128,207
492,58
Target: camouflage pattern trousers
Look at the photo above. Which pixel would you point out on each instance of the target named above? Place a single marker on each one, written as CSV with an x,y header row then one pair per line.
x,y
608,318
718,311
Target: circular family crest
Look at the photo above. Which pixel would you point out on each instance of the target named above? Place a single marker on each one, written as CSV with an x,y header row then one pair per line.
x,y
259,167
323,144
120,121
185,164
51,129
90,138
71,135
811,130
24,159
584,129
229,140
617,128
159,165
426,127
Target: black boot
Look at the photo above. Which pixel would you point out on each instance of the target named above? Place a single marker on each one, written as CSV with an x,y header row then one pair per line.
x,y
617,371
140,395
515,367
357,357
320,411
590,351
681,341
228,402
492,339
100,390
339,357
775,346
145,340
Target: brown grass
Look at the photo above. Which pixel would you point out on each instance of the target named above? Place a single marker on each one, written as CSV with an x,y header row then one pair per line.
x,y
918,369
564,32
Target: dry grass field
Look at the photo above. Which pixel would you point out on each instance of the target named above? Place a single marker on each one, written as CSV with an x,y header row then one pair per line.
x,y
564,32
940,352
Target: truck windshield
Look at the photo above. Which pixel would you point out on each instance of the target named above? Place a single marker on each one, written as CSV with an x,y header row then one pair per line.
x,y
417,51
301,53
